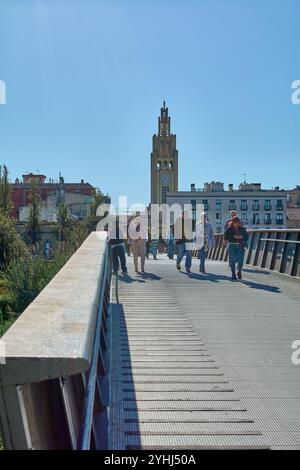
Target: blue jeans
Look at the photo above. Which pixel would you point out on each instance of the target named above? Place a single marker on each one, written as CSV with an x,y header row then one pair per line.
x,y
171,249
201,257
236,255
154,251
181,251
118,252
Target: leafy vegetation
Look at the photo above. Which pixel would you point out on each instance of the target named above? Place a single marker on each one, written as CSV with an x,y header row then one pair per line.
x,y
24,270
34,215
5,191
11,245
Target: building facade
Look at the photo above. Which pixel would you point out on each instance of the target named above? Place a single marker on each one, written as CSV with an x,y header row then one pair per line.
x,y
257,207
293,208
164,160
77,196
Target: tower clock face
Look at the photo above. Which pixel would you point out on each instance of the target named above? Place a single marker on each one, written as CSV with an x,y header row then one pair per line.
x,y
164,179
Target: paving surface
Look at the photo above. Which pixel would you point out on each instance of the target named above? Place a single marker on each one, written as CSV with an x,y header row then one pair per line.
x,y
200,362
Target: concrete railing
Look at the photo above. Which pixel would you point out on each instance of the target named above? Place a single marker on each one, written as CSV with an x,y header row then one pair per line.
x,y
50,385
276,250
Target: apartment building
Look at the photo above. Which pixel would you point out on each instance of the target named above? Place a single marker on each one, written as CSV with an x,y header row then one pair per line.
x,y
257,207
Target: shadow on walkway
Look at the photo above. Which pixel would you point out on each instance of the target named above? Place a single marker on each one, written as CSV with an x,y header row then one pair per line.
x,y
143,277
150,276
207,277
220,277
128,279
256,271
124,408
256,285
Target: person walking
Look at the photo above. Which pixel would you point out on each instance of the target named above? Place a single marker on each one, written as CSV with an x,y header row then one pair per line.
x,y
138,233
237,237
233,214
171,242
154,248
204,238
116,242
183,234
47,249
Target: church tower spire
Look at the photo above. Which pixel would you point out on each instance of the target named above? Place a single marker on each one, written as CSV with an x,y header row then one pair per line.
x,y
164,159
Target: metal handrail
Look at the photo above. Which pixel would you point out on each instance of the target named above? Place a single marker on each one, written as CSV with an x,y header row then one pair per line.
x,y
283,256
84,440
280,240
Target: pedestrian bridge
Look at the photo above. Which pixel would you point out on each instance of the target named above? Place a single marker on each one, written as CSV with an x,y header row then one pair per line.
x,y
159,360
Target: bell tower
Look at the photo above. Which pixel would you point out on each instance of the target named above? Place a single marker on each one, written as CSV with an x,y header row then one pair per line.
x,y
164,159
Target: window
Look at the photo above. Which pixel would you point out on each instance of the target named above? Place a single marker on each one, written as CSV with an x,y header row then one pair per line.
x,y
164,190
218,229
255,205
218,204
205,204
279,205
244,217
193,204
244,205
268,219
232,206
218,215
279,219
268,206
255,219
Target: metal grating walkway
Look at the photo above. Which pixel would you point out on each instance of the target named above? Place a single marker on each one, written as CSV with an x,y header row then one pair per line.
x,y
179,378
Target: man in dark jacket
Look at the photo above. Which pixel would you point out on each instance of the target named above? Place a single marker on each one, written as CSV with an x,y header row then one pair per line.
x,y
237,237
117,245
184,236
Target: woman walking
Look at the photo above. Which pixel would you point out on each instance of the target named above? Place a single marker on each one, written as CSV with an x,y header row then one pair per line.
x,y
237,237
205,239
171,242
138,234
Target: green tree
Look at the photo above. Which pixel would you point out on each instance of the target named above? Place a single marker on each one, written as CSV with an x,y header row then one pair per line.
x,y
11,245
78,234
33,225
27,277
7,298
64,221
5,191
98,199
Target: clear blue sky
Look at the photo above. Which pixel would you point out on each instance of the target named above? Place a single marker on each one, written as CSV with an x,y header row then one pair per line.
x,y
86,78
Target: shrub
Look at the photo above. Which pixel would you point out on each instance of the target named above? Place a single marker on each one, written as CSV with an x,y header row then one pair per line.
x,y
11,245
